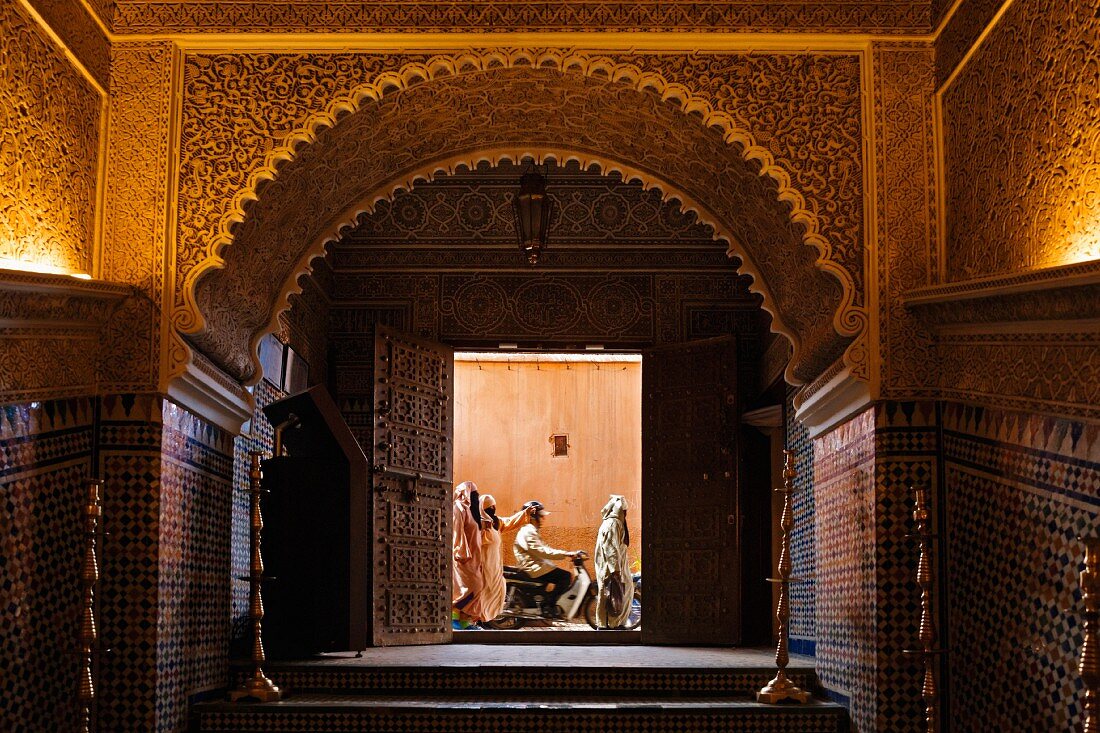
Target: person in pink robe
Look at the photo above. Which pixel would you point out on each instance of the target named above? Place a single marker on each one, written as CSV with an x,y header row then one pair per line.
x,y
489,602
466,545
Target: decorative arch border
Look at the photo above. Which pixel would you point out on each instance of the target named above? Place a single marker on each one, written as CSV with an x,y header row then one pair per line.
x,y
849,320
427,173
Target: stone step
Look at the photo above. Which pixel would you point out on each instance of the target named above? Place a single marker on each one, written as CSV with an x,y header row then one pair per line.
x,y
739,682
630,713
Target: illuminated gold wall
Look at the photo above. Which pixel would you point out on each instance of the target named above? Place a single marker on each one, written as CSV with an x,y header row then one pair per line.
x,y
1021,122
50,118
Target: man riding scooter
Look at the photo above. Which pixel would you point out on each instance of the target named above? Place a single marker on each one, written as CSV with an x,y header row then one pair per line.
x,y
536,558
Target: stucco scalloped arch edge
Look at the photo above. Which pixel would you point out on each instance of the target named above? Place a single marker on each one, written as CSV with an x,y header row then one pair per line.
x,y
494,156
848,320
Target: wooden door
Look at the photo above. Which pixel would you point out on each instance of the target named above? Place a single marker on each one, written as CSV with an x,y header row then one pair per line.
x,y
690,562
413,420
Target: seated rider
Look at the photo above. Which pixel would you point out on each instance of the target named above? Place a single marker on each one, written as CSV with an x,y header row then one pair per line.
x,y
536,558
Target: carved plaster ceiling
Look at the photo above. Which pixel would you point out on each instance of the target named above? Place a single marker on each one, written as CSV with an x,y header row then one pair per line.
x,y
508,113
152,16
474,208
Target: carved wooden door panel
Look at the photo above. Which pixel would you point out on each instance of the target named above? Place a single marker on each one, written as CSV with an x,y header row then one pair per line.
x,y
690,557
411,479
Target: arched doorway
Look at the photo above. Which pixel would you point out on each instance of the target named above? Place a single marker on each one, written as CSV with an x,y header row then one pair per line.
x,y
358,152
506,113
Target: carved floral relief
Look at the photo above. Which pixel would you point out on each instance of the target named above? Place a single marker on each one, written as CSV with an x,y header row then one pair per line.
x,y
230,99
137,16
79,32
49,149
905,219
136,209
1022,144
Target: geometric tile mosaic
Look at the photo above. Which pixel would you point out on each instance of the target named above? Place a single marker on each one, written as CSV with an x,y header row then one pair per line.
x,y
194,563
803,548
45,457
844,503
1019,491
129,434
906,454
688,718
165,580
867,602
258,434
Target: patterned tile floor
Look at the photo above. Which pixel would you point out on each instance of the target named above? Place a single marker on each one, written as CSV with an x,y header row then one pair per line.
x,y
567,656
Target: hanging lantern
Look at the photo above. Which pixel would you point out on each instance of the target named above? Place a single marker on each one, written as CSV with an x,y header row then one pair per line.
x,y
533,210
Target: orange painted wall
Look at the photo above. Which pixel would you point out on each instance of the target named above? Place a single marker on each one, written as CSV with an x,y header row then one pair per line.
x,y
505,413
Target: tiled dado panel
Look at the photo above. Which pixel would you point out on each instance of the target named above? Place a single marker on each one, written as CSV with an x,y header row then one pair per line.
x,y
257,434
165,587
867,604
130,464
844,531
194,567
906,454
45,456
803,636
1019,490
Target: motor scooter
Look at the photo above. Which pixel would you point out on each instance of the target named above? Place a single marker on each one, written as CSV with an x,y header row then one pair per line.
x,y
526,597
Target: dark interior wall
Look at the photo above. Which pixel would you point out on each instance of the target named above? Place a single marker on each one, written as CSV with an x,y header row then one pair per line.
x,y
756,539
305,325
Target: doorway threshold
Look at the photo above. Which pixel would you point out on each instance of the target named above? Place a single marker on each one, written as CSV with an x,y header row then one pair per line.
x,y
543,637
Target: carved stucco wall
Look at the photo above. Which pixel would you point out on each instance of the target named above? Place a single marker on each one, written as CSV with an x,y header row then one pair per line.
x,y
136,209
1021,168
961,32
905,213
815,143
152,16
304,327
49,150
1022,144
80,33
50,139
472,208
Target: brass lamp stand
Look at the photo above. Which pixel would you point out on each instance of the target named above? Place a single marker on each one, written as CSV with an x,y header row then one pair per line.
x,y
927,634
89,576
1089,664
781,689
257,688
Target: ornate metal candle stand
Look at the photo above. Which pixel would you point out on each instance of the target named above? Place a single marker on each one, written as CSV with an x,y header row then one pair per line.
x,y
93,511
927,633
781,689
1089,665
257,687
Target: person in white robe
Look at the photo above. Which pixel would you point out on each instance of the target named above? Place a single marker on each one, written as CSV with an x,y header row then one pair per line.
x,y
613,565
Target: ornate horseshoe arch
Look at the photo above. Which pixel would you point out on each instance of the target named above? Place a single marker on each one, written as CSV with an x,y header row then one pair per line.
x,y
577,84
349,218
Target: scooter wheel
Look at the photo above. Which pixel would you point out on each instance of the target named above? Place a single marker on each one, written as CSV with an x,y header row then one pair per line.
x,y
590,612
506,623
